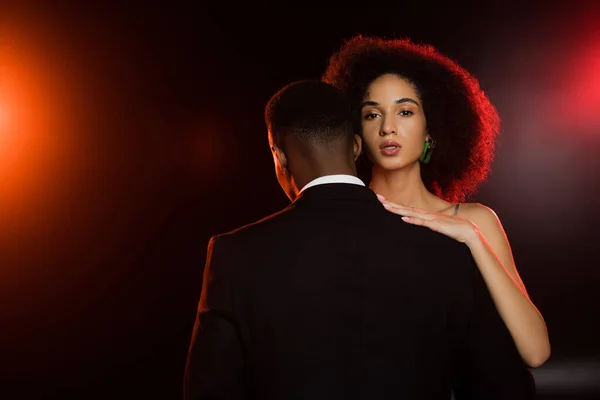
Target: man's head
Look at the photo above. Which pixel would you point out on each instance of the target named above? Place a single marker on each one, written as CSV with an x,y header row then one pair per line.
x,y
310,134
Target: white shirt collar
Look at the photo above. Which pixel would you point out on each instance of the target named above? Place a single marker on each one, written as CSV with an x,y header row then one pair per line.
x,y
341,178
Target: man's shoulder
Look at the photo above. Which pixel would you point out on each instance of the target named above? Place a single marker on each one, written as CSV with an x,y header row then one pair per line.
x,y
435,247
393,223
259,227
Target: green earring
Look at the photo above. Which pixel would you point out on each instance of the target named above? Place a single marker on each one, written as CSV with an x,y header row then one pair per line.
x,y
427,150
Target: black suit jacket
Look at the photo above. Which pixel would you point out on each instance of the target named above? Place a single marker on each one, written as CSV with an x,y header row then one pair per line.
x,y
336,298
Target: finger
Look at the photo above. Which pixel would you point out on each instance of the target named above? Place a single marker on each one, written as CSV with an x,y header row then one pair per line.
x,y
421,222
397,206
397,210
414,220
391,203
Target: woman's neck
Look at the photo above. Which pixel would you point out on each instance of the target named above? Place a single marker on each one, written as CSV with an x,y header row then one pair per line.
x,y
404,186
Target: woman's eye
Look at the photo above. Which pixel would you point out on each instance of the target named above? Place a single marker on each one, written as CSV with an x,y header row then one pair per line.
x,y
406,112
370,116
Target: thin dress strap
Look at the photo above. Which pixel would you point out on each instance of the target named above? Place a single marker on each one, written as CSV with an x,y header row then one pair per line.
x,y
456,209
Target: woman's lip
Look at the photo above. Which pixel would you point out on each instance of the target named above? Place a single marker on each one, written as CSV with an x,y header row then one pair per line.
x,y
388,143
390,148
390,151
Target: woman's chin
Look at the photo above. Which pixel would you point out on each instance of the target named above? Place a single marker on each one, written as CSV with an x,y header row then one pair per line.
x,y
392,164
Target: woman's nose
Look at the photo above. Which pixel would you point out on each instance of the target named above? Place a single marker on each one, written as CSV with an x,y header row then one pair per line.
x,y
387,127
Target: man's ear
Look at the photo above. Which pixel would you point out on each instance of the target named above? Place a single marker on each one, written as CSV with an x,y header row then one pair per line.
x,y
357,146
281,158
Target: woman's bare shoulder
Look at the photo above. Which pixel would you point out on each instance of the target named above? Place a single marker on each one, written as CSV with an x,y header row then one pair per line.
x,y
479,213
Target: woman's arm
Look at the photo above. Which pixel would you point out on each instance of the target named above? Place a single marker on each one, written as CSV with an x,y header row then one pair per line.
x,y
492,254
482,232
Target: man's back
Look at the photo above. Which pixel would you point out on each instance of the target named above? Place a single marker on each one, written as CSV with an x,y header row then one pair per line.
x,y
336,298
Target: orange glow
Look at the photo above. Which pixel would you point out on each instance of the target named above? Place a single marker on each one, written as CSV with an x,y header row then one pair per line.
x,y
31,132
3,117
4,130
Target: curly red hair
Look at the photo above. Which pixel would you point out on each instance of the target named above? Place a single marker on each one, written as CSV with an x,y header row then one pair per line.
x,y
459,115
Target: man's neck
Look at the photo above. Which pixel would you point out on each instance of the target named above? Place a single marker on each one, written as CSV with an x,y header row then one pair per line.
x,y
304,180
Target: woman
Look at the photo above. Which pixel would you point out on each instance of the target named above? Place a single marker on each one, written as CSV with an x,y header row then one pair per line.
x,y
429,132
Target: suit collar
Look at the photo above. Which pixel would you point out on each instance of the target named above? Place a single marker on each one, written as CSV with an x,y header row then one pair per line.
x,y
337,178
335,191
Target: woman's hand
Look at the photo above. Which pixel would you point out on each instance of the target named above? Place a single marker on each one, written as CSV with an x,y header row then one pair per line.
x,y
457,228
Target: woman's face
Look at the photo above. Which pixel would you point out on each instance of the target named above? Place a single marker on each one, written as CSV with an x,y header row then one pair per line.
x,y
393,123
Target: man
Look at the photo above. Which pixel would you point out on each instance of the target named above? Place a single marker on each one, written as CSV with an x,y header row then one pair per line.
x,y
336,298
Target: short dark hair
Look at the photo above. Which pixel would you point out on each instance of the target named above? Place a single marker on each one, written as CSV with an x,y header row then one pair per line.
x,y
311,112
459,116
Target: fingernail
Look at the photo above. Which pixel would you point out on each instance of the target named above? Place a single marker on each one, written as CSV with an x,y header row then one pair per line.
x,y
380,197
